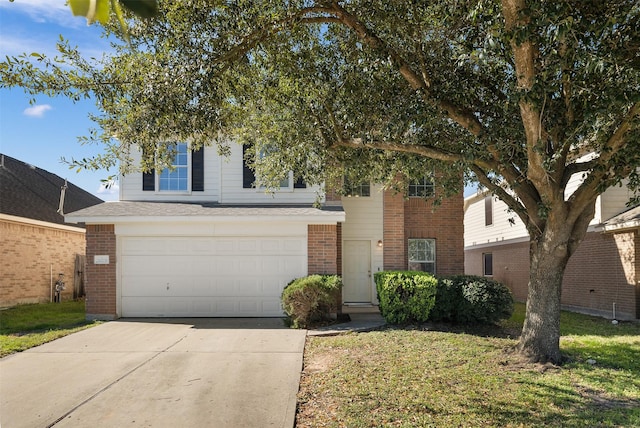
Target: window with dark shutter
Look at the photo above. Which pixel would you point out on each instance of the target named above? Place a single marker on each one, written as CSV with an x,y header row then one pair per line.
x,y
149,180
488,210
299,184
197,170
248,176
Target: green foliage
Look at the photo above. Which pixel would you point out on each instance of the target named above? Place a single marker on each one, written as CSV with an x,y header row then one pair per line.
x,y
405,296
469,299
311,299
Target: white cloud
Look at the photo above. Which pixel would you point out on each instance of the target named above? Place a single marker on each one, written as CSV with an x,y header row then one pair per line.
x,y
109,190
44,11
37,110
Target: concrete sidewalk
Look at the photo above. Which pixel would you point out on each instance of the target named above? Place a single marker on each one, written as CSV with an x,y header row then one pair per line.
x,y
157,373
359,323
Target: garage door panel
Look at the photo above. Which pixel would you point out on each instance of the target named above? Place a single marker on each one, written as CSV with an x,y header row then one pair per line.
x,y
208,276
203,307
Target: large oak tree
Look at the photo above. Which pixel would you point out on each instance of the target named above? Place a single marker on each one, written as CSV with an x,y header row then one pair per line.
x,y
520,95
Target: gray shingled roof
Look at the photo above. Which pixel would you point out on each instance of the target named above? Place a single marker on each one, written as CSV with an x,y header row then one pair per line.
x,y
626,220
130,210
31,192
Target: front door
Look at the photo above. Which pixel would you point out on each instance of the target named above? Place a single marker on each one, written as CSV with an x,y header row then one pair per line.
x,y
356,272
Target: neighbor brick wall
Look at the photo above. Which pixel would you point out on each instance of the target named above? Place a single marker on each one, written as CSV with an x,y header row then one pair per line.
x,y
29,253
510,266
602,271
322,249
100,285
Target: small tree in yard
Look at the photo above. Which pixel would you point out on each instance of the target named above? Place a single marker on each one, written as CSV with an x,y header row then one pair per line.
x,y
521,95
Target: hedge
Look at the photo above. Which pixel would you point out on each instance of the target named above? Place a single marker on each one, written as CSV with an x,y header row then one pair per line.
x,y
311,299
405,296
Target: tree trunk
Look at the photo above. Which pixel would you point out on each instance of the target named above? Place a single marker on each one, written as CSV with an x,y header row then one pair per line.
x,y
549,254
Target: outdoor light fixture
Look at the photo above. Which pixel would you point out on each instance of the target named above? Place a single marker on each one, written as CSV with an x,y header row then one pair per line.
x,y
380,243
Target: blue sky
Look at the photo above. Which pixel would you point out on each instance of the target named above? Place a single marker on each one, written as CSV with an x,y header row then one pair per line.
x,y
43,133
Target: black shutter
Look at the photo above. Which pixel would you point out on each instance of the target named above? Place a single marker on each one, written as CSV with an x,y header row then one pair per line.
x,y
299,184
197,170
248,176
148,179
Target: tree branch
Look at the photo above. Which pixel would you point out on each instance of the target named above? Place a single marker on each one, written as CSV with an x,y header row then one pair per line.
x,y
459,114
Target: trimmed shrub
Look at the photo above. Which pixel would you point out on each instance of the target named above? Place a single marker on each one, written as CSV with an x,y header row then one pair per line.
x,y
405,296
468,299
311,299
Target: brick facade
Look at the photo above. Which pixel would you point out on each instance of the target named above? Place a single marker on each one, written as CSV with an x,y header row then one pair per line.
x,y
323,249
416,218
604,270
510,266
33,253
101,278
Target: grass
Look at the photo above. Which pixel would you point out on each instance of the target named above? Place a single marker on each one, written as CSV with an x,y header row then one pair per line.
x,y
470,377
25,326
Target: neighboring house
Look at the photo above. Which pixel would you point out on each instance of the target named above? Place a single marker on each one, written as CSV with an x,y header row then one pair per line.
x,y
36,243
201,240
602,276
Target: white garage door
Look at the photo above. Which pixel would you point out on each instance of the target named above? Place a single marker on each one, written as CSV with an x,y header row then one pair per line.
x,y
208,277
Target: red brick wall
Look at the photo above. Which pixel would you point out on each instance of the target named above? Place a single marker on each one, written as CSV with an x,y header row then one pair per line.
x,y
415,218
445,224
322,249
510,266
602,271
101,279
394,244
29,254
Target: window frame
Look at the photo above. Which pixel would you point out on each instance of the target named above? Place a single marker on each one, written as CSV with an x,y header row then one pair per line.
x,y
256,185
485,257
362,190
432,242
421,187
187,166
488,210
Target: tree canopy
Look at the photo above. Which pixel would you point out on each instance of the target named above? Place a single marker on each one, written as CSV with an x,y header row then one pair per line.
x,y
519,95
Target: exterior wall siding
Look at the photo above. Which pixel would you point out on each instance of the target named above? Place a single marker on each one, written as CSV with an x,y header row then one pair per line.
x,y
510,266
30,255
100,283
603,271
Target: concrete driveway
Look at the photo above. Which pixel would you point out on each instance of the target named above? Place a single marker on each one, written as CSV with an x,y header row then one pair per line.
x,y
157,373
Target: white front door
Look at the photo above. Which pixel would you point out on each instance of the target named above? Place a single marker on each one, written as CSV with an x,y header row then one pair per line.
x,y
356,272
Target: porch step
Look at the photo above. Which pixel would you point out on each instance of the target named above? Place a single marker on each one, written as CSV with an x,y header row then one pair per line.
x,y
360,308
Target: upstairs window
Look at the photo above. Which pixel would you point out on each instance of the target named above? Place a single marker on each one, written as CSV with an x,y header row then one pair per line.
x,y
422,255
249,179
176,178
356,190
488,210
187,165
422,188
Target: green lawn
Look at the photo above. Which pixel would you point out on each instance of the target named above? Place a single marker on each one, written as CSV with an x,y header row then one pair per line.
x,y
25,326
467,378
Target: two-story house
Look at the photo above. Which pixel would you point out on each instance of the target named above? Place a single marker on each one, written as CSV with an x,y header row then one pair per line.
x,y
602,276
202,240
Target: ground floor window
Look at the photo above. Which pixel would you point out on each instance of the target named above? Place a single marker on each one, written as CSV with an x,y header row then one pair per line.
x,y
487,264
422,255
